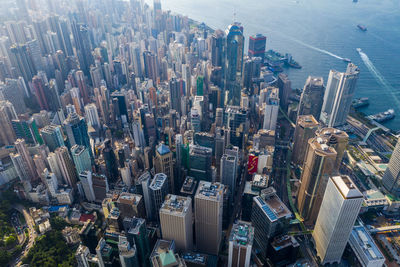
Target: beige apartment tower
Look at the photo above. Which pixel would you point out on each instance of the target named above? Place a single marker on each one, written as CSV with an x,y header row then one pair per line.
x,y
306,126
318,167
176,220
208,216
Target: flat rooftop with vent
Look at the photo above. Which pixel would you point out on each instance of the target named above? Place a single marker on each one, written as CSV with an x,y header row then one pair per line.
x,y
272,205
346,187
177,205
242,234
208,190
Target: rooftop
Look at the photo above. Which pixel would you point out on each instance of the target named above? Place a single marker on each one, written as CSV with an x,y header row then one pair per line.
x,y
189,185
281,242
158,181
242,234
260,181
307,121
176,204
346,187
209,190
163,149
272,206
129,198
361,238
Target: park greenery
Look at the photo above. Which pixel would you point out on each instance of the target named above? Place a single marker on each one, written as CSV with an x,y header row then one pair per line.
x,y
50,249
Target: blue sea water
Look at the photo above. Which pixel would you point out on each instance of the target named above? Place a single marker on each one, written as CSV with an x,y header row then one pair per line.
x,y
318,33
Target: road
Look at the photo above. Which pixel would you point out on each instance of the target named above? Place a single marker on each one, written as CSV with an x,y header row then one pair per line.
x,y
32,234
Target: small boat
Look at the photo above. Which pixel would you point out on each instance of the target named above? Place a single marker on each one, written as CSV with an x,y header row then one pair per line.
x,y
360,102
362,27
358,50
348,60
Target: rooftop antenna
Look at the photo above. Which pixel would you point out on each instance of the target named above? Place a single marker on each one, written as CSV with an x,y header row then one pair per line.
x,y
234,14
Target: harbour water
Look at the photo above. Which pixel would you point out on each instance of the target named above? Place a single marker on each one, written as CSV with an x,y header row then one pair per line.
x,y
318,34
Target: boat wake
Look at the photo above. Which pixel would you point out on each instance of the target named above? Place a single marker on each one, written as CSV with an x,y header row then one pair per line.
x,y
318,49
378,76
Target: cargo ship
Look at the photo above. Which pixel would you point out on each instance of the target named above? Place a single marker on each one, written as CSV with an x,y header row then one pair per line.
x,y
360,102
362,27
383,116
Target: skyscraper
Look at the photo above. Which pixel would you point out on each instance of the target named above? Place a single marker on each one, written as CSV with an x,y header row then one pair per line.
x,y
7,114
158,191
92,116
339,210
136,233
228,172
391,178
235,119
81,157
11,91
339,95
271,109
176,221
87,183
163,164
257,46
52,136
66,165
285,89
128,255
269,217
240,244
200,159
318,166
22,149
312,97
75,129
111,161
208,216
306,126
234,62
337,139
218,48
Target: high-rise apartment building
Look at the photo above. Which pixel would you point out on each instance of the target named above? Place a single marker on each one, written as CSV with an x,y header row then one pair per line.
x,y
339,96
391,178
306,126
312,97
318,166
339,210
177,221
208,216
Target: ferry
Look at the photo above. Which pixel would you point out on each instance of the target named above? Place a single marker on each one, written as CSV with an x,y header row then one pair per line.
x,y
360,102
383,116
362,27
